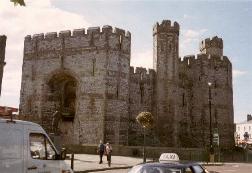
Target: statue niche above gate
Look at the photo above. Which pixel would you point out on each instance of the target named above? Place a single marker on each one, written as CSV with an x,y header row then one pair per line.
x,y
63,94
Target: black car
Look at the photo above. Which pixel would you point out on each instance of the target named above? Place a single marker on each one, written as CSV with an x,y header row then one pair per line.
x,y
169,166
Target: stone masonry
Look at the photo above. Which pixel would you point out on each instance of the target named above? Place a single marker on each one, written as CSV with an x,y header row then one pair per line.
x,y
2,57
87,78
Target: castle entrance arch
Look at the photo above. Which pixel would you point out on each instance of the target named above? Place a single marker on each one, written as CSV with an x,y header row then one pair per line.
x,y
63,88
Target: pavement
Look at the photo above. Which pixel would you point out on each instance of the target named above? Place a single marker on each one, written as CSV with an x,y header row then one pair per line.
x,y
90,163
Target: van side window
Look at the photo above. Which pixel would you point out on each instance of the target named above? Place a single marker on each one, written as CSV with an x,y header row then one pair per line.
x,y
40,147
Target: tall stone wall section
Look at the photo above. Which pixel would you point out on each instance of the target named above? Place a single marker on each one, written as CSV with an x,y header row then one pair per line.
x,y
165,58
97,63
2,57
141,100
195,72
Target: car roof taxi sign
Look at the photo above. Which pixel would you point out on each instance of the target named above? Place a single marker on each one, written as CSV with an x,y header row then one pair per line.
x,y
168,157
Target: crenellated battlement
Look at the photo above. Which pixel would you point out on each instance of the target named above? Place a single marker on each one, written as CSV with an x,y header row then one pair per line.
x,y
166,26
191,60
141,74
101,38
106,29
212,46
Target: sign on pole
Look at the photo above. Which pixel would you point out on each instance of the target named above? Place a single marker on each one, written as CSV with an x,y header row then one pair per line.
x,y
216,139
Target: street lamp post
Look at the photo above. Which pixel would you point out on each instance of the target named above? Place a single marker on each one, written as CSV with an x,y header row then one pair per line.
x,y
144,154
211,157
145,119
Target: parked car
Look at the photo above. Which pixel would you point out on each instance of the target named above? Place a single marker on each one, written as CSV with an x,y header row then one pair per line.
x,y
26,148
169,163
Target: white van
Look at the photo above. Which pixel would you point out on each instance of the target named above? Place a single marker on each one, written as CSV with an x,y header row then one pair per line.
x,y
26,148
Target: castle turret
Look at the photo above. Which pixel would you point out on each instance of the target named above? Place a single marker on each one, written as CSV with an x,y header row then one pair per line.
x,y
165,58
212,46
2,57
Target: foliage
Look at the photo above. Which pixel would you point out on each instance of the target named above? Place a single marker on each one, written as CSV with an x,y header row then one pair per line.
x,y
18,2
145,119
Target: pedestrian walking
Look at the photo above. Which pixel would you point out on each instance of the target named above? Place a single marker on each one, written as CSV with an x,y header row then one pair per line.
x,y
101,150
108,153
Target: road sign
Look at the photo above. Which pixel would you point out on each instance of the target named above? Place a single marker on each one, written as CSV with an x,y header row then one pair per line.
x,y
216,139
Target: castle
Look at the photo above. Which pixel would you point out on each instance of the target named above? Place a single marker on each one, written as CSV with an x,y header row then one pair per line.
x,y
87,78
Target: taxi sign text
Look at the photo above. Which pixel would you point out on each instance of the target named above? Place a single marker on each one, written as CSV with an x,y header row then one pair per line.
x,y
169,157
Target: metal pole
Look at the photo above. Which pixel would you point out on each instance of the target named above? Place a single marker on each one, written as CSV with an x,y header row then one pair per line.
x,y
210,128
72,161
144,156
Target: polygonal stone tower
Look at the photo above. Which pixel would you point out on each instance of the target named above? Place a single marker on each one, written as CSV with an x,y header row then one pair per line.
x,y
165,58
82,76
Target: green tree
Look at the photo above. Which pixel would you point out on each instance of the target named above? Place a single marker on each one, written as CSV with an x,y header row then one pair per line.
x,y
18,2
145,119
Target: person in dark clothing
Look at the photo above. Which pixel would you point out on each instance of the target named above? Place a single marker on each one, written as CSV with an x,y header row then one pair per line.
x,y
101,150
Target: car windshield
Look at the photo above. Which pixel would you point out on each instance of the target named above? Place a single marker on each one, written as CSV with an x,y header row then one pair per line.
x,y
155,169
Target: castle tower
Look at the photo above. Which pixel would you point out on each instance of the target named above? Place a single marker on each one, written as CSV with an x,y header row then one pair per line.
x,y
210,66
2,57
82,75
165,58
212,46
219,73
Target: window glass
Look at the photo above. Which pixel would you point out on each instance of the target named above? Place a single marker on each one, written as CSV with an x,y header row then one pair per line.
x,y
198,169
156,169
50,150
40,147
188,170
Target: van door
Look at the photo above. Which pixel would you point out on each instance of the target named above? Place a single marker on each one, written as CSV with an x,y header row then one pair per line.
x,y
42,155
11,148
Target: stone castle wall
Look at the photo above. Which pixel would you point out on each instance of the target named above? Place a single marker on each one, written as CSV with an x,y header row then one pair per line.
x,y
87,78
194,73
84,72
141,99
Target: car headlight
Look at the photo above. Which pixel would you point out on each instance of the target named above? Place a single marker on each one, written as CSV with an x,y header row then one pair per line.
x,y
66,171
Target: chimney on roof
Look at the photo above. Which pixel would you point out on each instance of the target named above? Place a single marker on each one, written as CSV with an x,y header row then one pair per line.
x,y
249,117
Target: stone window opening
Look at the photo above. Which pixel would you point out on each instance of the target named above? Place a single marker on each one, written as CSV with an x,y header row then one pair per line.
x,y
117,91
120,42
183,99
141,92
93,65
161,47
141,76
216,117
215,84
